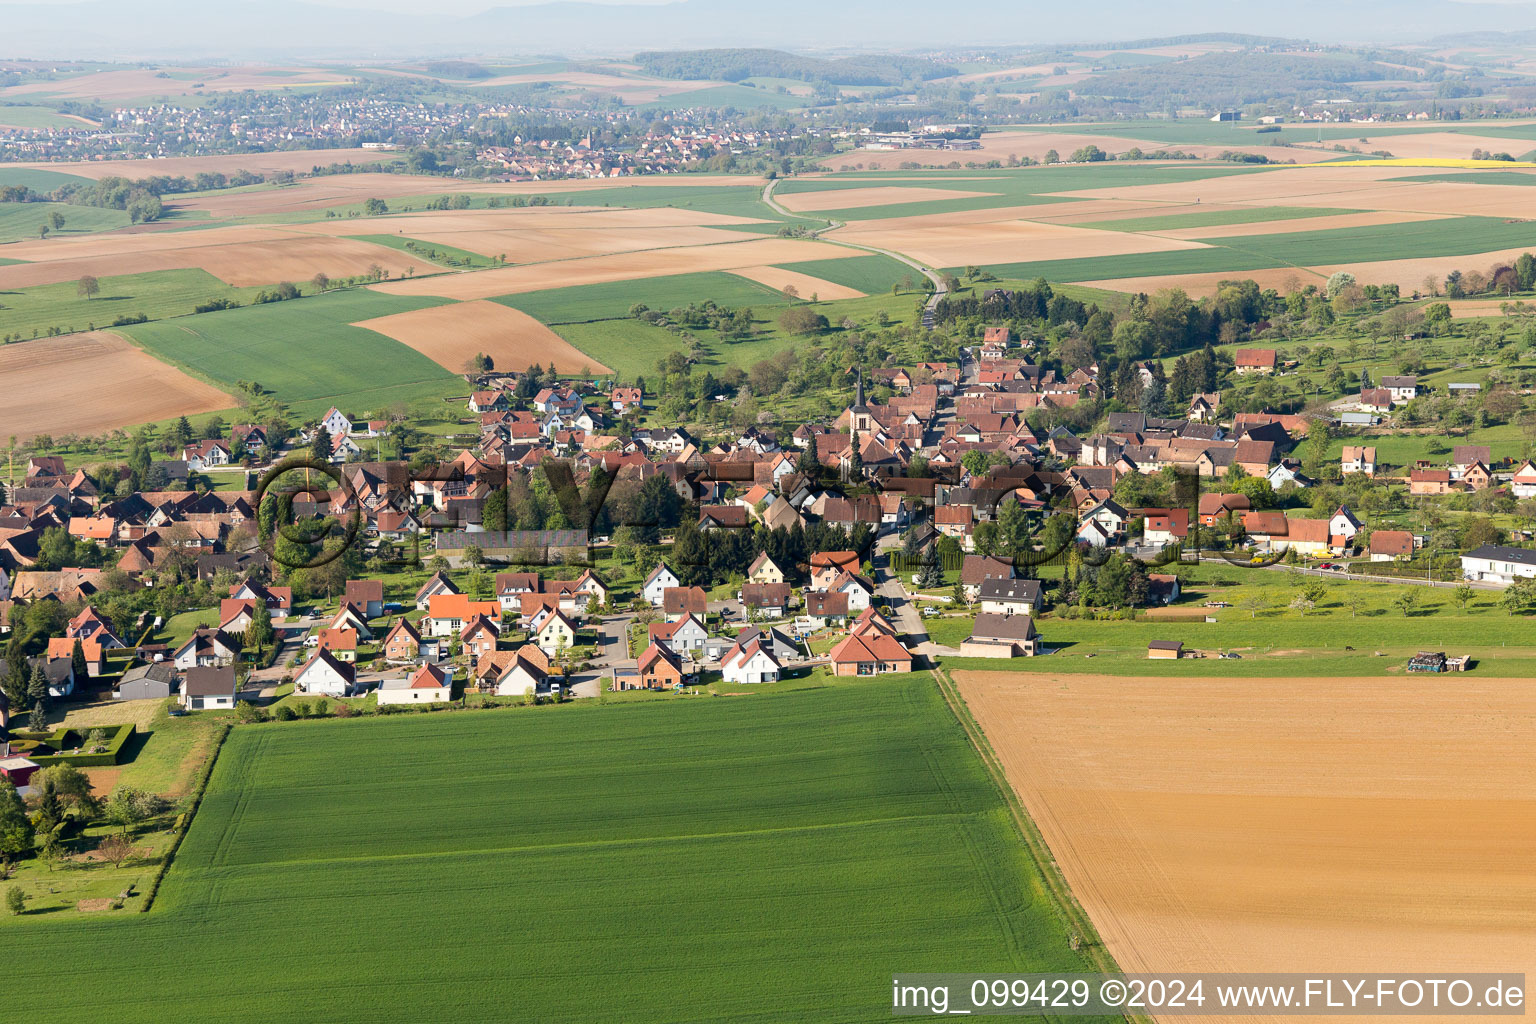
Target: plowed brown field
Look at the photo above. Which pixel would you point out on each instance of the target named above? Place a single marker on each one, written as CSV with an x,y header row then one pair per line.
x,y
452,335
1313,825
88,383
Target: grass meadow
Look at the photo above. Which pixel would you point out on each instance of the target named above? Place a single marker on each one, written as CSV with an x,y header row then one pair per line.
x,y
19,221
305,351
769,857
30,312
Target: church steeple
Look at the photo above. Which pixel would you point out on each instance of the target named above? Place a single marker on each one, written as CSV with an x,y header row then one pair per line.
x,y
858,393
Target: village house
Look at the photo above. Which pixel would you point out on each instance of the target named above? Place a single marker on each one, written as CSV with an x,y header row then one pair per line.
x,y
659,668
402,642
367,596
824,608
206,648
1390,545
558,633
479,636
436,584
1430,481
341,642
869,653
514,673
977,569
677,602
656,585
1358,459
1009,596
1254,360
429,684
763,570
1523,483
447,613
770,600
208,688
325,674
681,635
1401,389
1001,636
1163,526
1497,563
749,662
95,656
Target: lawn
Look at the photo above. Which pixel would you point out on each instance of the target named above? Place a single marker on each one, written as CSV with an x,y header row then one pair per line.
x,y
305,351
20,221
768,857
30,312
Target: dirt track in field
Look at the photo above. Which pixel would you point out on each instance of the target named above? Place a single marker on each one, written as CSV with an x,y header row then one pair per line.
x,y
452,335
93,382
1282,824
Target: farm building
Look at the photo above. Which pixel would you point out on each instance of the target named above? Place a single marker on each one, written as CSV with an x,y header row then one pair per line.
x,y
1001,636
1427,661
1165,649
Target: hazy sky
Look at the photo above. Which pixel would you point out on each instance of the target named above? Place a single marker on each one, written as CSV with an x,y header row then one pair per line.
x,y
450,7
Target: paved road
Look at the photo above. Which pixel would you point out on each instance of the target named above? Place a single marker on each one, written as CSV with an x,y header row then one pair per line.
x,y
931,274
888,588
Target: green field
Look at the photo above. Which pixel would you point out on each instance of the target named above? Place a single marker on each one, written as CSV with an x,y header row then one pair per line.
x,y
1215,218
1453,236
587,302
37,179
1028,186
157,294
305,351
1199,131
742,97
869,274
19,221
20,115
1476,178
770,857
447,255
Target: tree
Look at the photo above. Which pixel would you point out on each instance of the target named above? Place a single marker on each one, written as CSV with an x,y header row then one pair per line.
x,y
37,721
115,849
77,660
493,514
1256,602
128,806
17,834
69,786
320,446
15,900
56,220
1406,601
1354,598
1462,596
802,320
374,207
320,281
473,555
88,287
37,687
809,461
1520,597
260,632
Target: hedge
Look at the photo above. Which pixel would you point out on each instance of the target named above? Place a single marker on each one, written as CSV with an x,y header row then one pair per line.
x,y
64,739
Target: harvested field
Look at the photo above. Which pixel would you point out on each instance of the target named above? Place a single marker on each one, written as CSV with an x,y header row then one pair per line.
x,y
1282,825
486,284
878,195
241,256
88,383
804,284
942,244
1001,145
1464,309
451,336
1435,145
1285,279
1409,274
1278,227
299,161
133,83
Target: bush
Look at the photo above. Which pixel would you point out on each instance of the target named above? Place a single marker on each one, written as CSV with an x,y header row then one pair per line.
x,y
247,712
284,713
345,711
